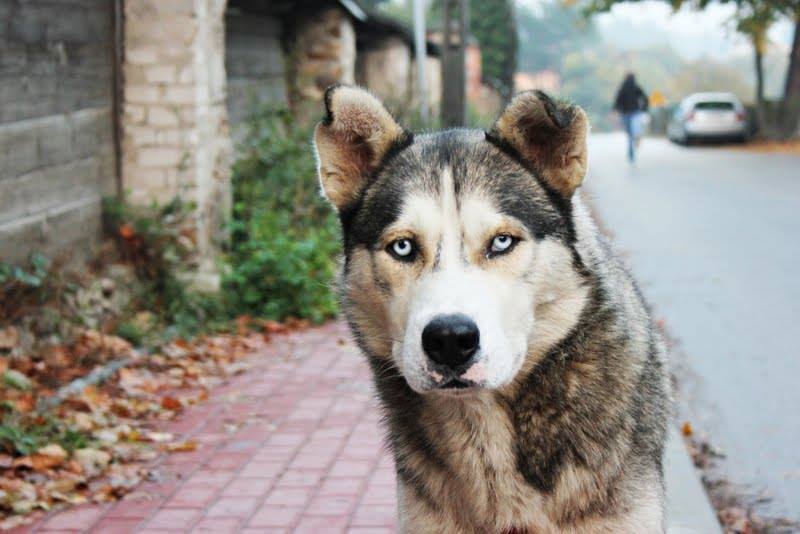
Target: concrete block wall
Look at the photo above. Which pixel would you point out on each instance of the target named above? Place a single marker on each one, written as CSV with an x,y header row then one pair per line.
x,y
56,127
254,65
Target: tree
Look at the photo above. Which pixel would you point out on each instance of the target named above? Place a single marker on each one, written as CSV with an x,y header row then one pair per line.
x,y
791,93
754,19
491,22
548,35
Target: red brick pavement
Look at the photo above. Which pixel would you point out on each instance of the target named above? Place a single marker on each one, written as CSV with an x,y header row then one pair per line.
x,y
292,445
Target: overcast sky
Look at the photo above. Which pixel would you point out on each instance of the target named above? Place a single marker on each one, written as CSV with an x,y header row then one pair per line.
x,y
691,33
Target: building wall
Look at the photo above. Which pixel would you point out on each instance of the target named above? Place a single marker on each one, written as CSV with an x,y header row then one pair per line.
x,y
433,79
386,71
56,128
176,141
323,52
254,65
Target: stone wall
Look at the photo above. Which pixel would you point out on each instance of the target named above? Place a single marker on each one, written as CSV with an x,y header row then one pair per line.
x,y
323,52
175,129
254,65
56,128
386,70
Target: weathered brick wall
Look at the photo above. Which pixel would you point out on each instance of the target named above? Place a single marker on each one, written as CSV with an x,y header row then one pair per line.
x,y
254,65
56,137
175,127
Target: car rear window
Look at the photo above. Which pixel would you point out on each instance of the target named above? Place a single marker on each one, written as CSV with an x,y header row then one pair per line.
x,y
724,106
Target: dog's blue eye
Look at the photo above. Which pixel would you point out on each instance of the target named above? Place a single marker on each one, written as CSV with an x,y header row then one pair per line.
x,y
402,249
501,243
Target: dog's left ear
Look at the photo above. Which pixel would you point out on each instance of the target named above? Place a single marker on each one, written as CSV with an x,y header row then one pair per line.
x,y
352,139
550,136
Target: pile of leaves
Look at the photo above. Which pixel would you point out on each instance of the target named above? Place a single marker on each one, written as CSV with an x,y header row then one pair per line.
x,y
790,146
97,442
737,508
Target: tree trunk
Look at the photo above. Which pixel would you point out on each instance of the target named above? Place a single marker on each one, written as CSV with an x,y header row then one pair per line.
x,y
454,40
759,57
791,94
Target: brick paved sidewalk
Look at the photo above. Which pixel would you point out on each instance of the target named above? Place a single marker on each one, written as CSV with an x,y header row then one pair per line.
x,y
292,445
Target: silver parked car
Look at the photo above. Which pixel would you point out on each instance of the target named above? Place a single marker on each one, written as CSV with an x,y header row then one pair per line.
x,y
708,116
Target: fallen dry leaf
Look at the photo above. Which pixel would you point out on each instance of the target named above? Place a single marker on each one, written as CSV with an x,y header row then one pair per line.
x,y
48,457
9,338
181,446
41,463
92,461
25,402
274,327
158,437
54,450
126,231
171,403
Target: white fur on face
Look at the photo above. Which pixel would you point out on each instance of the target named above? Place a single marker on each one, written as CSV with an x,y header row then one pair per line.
x,y
458,278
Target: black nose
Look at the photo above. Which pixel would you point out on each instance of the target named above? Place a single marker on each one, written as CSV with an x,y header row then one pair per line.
x,y
450,340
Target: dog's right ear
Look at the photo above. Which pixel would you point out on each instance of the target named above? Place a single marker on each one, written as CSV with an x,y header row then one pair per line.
x,y
352,139
549,135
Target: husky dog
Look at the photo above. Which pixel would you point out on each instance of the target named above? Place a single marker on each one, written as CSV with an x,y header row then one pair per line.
x,y
522,380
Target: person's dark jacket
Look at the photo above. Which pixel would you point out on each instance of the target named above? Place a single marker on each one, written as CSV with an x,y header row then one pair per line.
x,y
630,98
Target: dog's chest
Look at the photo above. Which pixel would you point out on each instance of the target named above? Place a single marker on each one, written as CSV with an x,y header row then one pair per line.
x,y
478,441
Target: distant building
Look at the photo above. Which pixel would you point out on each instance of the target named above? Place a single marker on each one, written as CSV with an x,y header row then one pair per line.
x,y
483,99
544,80
386,64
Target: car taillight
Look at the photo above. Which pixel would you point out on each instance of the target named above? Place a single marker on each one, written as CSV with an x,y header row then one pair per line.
x,y
690,116
741,116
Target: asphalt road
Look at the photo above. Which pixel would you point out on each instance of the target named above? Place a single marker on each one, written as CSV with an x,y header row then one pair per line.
x,y
712,236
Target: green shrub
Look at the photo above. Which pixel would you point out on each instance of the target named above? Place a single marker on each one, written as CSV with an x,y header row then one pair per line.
x,y
24,286
284,241
131,333
284,237
22,435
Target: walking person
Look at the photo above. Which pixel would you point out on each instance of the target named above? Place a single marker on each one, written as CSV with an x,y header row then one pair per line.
x,y
631,103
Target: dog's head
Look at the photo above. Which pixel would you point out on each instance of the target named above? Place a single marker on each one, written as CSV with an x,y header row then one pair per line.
x,y
460,268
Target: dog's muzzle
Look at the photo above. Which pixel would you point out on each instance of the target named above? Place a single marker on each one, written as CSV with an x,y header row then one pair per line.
x,y
451,343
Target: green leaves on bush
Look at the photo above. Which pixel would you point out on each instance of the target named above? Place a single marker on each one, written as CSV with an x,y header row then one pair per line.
x,y
21,286
23,435
284,237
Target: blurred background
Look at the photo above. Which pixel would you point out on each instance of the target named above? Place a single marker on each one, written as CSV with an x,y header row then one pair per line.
x,y
160,218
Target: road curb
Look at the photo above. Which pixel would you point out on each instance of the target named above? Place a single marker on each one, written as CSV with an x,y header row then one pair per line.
x,y
689,510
